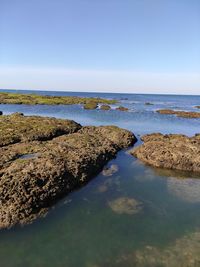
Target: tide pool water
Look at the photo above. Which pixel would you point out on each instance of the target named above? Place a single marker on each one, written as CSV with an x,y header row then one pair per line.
x,y
137,216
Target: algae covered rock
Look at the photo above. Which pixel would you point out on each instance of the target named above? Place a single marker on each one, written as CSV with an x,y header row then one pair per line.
x,y
105,107
90,105
16,128
183,114
121,108
173,151
43,164
36,99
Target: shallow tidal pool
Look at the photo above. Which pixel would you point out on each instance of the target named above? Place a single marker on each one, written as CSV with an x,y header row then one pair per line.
x,y
129,215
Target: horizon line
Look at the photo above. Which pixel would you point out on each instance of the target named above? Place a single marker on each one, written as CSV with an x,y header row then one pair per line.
x,y
97,92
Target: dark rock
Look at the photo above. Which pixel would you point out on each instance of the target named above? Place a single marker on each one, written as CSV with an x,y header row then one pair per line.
x,y
1,113
173,151
148,104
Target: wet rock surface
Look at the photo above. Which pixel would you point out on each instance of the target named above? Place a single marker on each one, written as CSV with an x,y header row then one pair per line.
x,y
173,151
183,114
48,159
109,171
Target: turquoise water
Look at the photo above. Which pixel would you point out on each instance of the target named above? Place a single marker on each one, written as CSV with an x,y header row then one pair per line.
x,y
85,228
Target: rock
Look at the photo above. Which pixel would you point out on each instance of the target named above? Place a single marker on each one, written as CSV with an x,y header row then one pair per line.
x,y
183,114
173,151
197,107
1,113
36,99
121,108
105,107
148,104
16,128
64,156
110,171
90,105
124,205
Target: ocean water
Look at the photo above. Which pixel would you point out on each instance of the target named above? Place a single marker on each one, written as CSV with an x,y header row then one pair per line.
x,y
92,227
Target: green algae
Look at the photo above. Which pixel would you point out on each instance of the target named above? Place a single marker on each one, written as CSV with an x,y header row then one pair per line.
x,y
91,105
34,99
105,107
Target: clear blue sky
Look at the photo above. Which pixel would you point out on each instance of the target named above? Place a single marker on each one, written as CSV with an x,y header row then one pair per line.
x,y
101,45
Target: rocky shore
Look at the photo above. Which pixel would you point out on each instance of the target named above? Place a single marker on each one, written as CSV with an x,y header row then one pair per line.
x,y
183,114
173,151
43,159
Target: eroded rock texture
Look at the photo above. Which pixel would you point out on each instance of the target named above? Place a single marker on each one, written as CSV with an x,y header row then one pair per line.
x,y
43,159
173,151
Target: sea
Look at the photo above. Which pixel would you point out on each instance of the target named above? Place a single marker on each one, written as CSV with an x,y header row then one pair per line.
x,y
92,227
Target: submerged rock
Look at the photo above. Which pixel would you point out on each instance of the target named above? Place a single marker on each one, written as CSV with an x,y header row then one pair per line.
x,y
64,156
125,205
110,171
184,252
173,151
183,114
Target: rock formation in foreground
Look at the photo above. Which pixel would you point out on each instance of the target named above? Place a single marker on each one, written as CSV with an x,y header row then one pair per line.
x,y
173,151
43,159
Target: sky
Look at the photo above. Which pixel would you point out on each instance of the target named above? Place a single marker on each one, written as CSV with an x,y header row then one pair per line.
x,y
133,46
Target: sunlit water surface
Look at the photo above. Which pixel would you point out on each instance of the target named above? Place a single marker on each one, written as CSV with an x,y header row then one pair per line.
x,y
86,229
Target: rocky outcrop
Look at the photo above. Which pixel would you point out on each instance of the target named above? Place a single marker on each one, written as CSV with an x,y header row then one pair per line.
x,y
18,128
91,105
149,104
37,99
173,151
183,114
121,108
48,159
105,107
